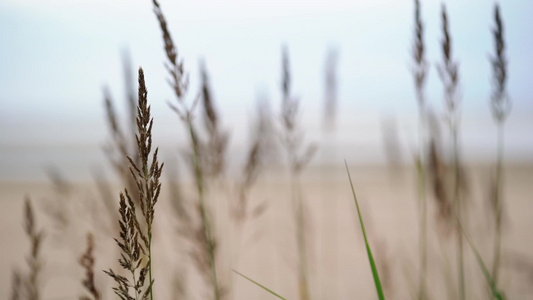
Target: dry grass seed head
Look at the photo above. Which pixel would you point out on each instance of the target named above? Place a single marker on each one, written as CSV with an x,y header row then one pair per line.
x,y
87,262
179,81
500,102
449,69
420,67
215,150
331,83
289,108
146,175
293,138
30,282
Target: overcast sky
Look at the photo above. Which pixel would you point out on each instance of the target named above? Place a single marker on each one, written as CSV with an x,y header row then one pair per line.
x,y
55,57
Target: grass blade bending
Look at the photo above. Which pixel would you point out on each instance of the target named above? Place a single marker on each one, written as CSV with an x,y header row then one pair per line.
x,y
377,281
497,294
259,285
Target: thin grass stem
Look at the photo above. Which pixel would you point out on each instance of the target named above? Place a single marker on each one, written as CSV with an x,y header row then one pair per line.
x,y
259,285
199,178
496,293
377,281
499,205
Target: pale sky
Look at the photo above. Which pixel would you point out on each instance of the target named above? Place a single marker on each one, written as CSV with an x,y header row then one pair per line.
x,y
55,57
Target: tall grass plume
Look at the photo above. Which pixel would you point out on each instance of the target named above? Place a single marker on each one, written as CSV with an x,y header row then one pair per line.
x,y
135,239
204,235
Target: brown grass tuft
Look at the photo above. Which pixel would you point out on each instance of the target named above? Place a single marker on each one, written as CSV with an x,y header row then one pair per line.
x,y
87,263
27,285
33,260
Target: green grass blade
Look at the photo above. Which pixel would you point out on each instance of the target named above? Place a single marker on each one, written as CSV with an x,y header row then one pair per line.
x,y
377,281
259,285
495,292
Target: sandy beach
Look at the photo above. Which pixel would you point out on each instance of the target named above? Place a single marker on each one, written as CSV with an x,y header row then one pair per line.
x,y
264,247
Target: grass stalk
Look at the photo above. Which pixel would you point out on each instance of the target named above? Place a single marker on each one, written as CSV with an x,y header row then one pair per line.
x,y
498,205
377,281
420,75
298,157
501,105
300,236
449,74
136,240
259,285
496,293
150,264
87,261
422,201
179,83
28,284
458,211
199,179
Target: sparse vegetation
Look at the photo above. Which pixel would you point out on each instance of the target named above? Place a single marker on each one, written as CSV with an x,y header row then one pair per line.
x,y
449,74
420,75
501,106
28,284
201,207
